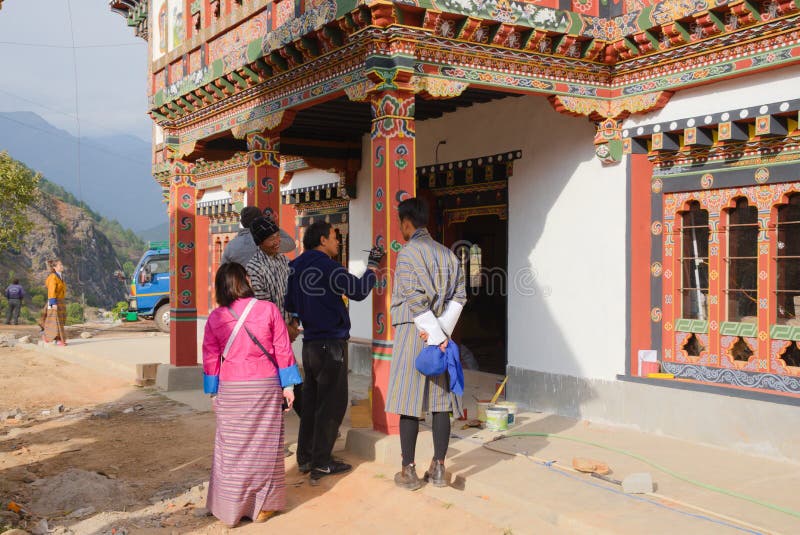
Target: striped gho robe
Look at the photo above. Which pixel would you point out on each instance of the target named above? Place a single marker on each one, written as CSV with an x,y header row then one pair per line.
x,y
269,277
428,282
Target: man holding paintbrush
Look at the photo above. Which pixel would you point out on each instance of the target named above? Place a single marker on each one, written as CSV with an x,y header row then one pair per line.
x,y
317,285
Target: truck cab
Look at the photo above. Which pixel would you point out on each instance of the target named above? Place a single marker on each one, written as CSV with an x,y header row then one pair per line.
x,y
149,295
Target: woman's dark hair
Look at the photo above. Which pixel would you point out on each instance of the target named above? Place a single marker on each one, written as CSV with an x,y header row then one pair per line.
x,y
231,284
415,210
314,233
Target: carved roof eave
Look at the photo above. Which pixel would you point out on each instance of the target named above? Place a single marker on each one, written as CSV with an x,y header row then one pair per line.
x,y
135,13
279,66
767,131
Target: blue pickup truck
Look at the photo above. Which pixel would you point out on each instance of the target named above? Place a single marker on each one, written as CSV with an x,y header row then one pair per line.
x,y
149,297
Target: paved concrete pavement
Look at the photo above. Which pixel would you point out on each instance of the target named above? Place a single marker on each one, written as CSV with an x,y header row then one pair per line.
x,y
531,487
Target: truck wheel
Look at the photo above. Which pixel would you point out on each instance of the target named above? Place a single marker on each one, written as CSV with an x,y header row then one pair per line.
x,y
162,318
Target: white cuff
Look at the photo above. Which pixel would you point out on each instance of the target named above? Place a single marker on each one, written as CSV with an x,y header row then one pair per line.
x,y
450,316
427,322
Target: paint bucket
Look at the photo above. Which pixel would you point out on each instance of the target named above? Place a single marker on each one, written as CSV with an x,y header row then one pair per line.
x,y
482,406
496,418
512,410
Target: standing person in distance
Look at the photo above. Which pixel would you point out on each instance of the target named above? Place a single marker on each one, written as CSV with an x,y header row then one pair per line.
x,y
428,296
317,285
15,294
56,305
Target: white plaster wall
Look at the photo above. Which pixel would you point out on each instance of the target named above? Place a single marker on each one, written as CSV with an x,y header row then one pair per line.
x,y
310,177
566,232
742,92
360,240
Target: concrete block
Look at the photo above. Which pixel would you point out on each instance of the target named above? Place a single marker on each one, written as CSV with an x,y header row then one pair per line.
x,y
170,378
368,444
638,483
359,355
146,374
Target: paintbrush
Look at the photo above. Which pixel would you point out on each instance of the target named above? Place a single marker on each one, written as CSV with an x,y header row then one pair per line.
x,y
499,389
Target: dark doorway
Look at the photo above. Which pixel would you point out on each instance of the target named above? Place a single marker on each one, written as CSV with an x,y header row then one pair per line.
x,y
481,244
469,214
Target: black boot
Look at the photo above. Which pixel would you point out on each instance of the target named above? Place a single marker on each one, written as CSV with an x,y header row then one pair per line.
x,y
407,478
436,474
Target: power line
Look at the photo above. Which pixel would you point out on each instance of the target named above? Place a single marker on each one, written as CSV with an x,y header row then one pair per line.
x,y
77,122
72,138
66,113
73,46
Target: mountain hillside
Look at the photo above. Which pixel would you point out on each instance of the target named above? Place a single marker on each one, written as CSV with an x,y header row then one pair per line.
x,y
92,248
112,168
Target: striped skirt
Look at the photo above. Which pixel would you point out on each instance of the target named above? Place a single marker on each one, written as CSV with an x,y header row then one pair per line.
x,y
54,322
247,471
411,393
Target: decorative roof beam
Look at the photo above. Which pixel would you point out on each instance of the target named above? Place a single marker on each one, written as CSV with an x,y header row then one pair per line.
x,y
695,136
251,75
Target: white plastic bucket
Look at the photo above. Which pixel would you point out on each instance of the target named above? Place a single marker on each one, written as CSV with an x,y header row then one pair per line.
x,y
482,406
496,418
511,406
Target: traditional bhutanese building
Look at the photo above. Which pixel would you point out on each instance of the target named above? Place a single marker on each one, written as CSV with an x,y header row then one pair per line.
x,y
620,179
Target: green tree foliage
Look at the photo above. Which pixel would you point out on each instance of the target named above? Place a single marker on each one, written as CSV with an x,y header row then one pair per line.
x,y
74,313
127,244
18,191
119,310
128,268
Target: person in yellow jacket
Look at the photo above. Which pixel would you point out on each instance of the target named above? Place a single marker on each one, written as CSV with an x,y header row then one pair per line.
x,y
56,304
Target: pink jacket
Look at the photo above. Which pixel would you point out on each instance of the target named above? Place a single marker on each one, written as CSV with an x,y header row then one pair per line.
x,y
245,360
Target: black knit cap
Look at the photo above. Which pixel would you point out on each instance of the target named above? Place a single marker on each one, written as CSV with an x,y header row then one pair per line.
x,y
262,228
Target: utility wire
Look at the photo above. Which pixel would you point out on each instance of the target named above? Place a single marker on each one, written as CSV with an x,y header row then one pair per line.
x,y
77,122
73,46
72,138
66,113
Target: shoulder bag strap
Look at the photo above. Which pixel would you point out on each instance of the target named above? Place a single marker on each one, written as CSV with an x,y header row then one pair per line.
x,y
262,348
260,345
237,327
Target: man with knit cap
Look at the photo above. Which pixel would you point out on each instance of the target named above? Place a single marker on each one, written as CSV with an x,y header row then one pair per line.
x,y
268,269
242,248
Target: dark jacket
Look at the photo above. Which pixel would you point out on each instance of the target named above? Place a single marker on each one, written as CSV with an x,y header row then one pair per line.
x,y
15,291
316,286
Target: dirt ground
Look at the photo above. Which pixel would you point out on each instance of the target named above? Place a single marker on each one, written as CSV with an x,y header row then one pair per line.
x,y
120,459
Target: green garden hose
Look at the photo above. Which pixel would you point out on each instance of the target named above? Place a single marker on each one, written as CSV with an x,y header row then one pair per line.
x,y
661,468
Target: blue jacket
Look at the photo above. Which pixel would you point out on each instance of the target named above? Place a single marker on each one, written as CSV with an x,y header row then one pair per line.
x,y
15,291
316,286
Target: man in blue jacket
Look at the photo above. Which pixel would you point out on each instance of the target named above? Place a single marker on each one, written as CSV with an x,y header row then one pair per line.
x,y
15,294
317,285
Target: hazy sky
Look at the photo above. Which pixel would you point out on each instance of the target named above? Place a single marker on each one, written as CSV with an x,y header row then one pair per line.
x,y
111,79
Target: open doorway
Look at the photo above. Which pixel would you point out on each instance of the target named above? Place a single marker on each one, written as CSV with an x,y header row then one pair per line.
x,y
481,245
469,214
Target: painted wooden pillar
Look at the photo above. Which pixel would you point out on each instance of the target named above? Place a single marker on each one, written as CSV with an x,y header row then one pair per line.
x,y
182,266
262,170
766,264
644,257
393,163
204,251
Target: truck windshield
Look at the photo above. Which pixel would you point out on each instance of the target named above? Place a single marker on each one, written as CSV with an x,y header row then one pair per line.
x,y
158,264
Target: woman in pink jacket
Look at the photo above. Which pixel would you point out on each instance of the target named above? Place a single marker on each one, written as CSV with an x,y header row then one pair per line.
x,y
249,365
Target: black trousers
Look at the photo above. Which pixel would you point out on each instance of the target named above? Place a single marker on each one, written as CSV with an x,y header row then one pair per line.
x,y
12,315
325,396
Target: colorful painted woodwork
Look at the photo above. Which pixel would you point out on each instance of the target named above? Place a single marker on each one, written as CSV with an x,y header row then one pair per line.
x,y
709,335
183,268
229,79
